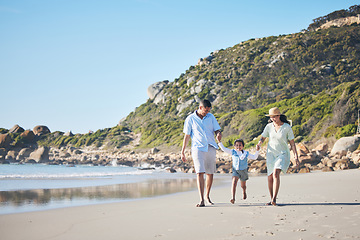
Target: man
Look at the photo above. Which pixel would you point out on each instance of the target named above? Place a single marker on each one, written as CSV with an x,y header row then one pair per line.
x,y
200,126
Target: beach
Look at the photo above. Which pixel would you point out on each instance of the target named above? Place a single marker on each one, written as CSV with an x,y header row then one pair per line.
x,y
317,205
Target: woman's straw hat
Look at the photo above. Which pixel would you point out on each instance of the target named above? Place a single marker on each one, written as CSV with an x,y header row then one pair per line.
x,y
273,112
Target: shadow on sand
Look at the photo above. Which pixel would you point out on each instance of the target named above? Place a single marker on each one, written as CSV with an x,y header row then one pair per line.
x,y
285,204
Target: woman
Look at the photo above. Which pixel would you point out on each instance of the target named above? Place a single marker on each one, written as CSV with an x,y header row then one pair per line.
x,y
279,133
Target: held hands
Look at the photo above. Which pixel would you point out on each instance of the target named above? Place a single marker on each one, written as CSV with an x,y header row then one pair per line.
x,y
218,137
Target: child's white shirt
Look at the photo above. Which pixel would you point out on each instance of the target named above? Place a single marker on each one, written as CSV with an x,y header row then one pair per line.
x,y
242,155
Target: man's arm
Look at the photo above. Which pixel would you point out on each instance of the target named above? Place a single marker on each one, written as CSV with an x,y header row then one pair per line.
x,y
185,143
218,135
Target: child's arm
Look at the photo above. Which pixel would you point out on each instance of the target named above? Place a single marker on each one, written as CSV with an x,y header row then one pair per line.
x,y
229,151
255,156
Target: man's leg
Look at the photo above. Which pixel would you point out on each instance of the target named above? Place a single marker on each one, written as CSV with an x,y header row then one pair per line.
x,y
200,184
209,181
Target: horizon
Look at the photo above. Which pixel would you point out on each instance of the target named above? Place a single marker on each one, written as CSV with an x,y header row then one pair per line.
x,y
81,66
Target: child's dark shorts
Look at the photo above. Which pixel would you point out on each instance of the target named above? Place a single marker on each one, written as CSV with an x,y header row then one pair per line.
x,y
242,174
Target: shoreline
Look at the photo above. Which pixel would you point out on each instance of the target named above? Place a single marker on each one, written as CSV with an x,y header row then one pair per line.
x,y
316,205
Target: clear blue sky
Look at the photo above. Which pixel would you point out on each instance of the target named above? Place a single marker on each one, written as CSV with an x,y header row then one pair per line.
x,y
83,65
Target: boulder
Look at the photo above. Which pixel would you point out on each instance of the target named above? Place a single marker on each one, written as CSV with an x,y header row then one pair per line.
x,y
346,144
327,169
5,140
308,158
41,130
304,169
40,155
154,150
69,134
355,156
28,136
24,153
2,152
302,149
322,149
155,88
182,106
11,155
258,166
344,164
16,129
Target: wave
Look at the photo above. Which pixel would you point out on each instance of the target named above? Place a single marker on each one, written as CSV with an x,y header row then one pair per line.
x,y
71,173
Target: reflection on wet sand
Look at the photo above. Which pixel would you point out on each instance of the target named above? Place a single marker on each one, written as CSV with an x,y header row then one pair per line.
x,y
111,192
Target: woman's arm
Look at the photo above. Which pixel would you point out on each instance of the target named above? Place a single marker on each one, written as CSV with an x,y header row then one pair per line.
x,y
262,139
293,148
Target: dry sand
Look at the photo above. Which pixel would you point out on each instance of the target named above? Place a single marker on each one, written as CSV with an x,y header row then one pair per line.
x,y
321,205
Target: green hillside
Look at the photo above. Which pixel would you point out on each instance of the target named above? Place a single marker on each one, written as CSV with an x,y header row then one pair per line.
x,y
312,76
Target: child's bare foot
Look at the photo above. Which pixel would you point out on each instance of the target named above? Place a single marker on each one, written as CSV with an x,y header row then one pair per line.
x,y
244,195
232,200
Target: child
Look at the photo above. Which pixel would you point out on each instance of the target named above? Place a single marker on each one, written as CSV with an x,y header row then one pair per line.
x,y
240,166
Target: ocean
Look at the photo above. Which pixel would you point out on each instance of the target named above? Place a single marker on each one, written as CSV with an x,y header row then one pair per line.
x,y
34,187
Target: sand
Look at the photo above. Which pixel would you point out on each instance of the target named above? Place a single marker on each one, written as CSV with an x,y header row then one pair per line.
x,y
321,205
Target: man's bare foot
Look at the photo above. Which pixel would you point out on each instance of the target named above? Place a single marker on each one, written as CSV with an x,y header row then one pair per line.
x,y
244,195
273,203
232,200
209,201
201,204
268,204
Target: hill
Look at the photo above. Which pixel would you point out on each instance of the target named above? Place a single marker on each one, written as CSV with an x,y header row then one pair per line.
x,y
313,77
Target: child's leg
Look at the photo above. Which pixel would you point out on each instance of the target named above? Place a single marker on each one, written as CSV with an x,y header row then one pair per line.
x,y
233,188
243,186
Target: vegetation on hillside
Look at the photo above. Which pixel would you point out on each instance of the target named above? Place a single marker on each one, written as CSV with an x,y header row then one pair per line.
x,y
304,74
352,11
312,76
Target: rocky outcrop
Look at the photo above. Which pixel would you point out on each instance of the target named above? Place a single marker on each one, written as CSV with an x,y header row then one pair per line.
x,y
5,140
341,22
28,136
346,144
40,155
155,93
41,130
16,129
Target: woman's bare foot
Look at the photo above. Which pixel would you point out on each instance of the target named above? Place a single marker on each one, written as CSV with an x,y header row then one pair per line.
x,y
209,201
273,203
201,204
232,200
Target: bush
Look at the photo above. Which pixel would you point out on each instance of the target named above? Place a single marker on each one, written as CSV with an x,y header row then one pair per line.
x,y
346,131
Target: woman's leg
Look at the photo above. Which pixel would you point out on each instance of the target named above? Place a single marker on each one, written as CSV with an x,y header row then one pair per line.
x,y
276,186
233,188
270,186
243,186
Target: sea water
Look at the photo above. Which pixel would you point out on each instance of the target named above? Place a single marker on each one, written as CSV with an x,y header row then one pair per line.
x,y
32,187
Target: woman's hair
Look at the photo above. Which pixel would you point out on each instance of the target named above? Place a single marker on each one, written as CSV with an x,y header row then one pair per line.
x,y
283,118
239,140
